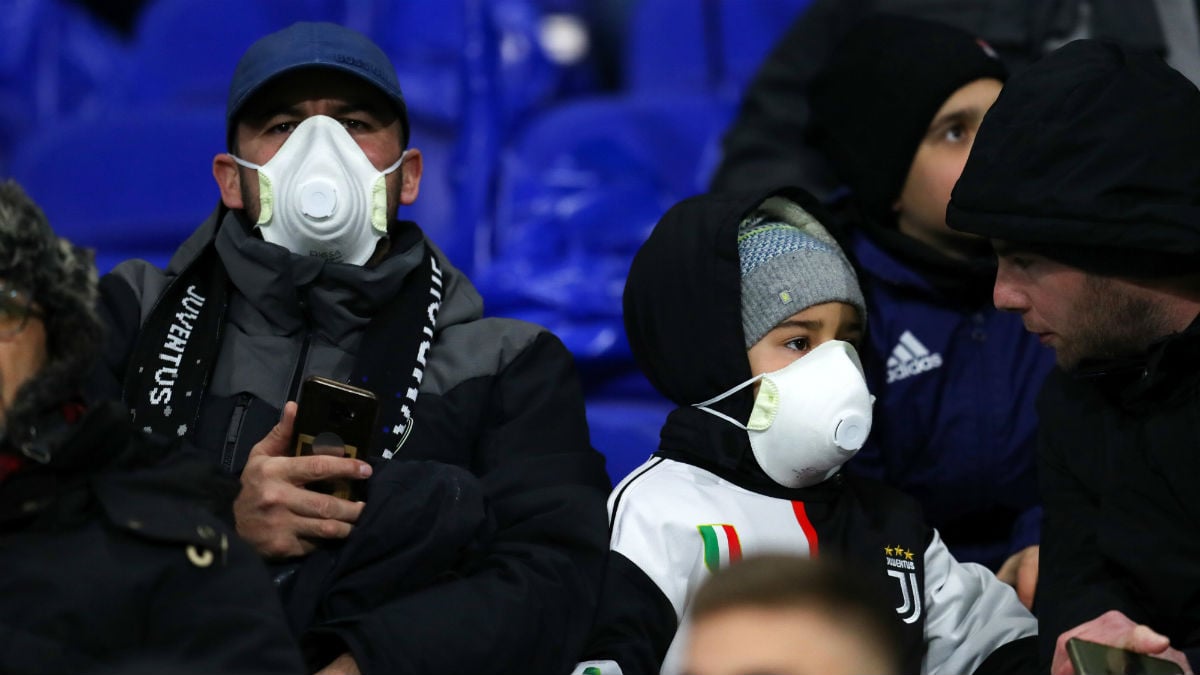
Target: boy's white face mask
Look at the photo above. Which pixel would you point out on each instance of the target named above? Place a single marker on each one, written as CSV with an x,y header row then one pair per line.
x,y
320,195
809,417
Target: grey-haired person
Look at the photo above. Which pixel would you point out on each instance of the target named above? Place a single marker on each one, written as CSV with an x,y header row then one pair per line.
x,y
111,543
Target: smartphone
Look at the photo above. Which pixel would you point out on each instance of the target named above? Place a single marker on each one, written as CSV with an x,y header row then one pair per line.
x,y
335,418
1090,658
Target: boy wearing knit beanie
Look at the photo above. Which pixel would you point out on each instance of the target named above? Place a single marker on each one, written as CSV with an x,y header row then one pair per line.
x,y
744,311
896,109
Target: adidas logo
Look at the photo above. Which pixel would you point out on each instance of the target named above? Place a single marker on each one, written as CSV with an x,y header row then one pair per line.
x,y
910,357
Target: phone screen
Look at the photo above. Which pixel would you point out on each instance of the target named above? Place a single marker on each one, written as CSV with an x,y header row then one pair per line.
x,y
334,418
1090,658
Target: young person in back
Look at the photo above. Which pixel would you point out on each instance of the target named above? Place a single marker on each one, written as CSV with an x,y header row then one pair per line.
x,y
743,311
896,109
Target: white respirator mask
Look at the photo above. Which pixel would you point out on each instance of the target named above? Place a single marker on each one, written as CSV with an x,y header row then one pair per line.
x,y
320,195
809,417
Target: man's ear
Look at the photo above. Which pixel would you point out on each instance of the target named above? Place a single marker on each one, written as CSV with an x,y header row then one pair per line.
x,y
410,176
225,171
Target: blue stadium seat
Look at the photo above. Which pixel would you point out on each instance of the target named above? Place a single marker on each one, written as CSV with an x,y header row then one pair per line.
x,y
133,185
426,43
626,431
749,30
668,46
710,46
445,52
56,61
436,209
578,193
184,51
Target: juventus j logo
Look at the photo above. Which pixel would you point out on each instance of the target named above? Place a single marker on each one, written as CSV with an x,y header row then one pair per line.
x,y
902,568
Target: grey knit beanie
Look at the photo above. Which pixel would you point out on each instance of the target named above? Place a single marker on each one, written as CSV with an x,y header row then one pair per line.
x,y
789,263
61,278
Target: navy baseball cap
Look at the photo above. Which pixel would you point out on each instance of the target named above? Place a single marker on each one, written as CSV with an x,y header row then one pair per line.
x,y
309,45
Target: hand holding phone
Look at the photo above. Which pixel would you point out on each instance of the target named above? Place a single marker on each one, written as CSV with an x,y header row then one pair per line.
x,y
275,512
335,419
1091,658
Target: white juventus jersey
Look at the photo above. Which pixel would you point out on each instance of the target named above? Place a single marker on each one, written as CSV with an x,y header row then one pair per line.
x,y
679,523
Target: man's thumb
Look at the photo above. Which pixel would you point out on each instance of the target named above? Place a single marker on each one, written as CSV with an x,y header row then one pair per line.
x,y
277,440
1144,640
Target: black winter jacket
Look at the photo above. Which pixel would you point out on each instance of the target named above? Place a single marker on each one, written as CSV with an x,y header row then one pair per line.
x,y
112,555
1120,457
504,577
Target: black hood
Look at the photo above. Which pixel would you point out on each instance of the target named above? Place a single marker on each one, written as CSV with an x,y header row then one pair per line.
x,y
683,318
682,300
1090,155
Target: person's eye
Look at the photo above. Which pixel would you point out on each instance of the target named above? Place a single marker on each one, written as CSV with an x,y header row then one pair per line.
x,y
955,133
354,125
799,344
13,305
282,128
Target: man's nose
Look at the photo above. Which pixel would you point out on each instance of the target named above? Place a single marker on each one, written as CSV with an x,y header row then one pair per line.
x,y
1006,294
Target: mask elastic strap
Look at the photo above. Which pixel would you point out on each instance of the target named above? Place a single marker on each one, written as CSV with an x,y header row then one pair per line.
x,y
726,394
248,165
722,415
266,210
396,165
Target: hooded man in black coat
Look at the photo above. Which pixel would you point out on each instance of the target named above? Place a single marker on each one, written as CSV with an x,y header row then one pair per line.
x,y
1086,176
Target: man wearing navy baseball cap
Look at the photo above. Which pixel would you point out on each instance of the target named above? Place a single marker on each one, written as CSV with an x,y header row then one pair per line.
x,y
477,532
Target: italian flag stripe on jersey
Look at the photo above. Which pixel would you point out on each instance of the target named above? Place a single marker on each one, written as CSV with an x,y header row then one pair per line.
x,y
810,532
721,546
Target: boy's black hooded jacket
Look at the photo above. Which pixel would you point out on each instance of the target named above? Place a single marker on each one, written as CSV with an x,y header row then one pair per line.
x,y
702,501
